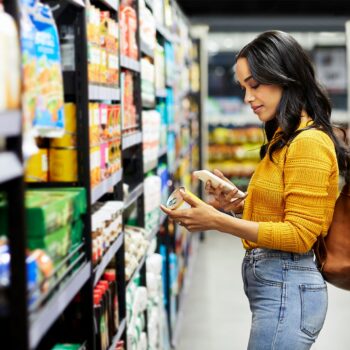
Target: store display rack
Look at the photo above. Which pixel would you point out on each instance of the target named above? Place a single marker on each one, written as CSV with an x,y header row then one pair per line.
x,y
42,326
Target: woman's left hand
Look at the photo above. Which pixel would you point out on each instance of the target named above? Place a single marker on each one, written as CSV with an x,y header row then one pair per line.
x,y
200,217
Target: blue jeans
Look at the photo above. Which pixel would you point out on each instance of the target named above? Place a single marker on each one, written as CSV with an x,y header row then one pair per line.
x,y
287,297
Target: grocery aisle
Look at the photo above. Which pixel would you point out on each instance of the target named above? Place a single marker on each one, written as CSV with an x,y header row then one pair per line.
x,y
216,313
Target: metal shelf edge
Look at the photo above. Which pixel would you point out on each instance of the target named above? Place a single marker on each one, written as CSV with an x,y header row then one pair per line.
x,y
146,49
131,140
138,190
149,3
163,151
119,334
48,315
78,3
138,268
10,123
98,191
129,63
110,5
108,257
150,166
10,167
97,92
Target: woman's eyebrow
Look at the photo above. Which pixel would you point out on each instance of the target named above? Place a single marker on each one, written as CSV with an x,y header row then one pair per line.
x,y
247,78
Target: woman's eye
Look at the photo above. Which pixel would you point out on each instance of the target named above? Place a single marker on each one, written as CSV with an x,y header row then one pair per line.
x,y
255,86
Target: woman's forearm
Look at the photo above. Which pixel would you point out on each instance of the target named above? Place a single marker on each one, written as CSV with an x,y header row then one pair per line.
x,y
240,228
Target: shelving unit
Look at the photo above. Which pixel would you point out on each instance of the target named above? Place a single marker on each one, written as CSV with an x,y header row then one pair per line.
x,y
44,324
41,322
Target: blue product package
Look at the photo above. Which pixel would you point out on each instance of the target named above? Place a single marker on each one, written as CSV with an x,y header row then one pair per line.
x,y
49,112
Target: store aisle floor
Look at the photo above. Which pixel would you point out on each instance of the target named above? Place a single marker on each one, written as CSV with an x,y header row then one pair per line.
x,y
216,314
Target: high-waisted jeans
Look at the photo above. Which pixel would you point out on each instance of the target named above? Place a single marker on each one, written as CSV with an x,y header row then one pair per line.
x,y
288,299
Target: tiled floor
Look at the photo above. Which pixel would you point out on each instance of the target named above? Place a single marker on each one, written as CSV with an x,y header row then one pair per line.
x,y
216,314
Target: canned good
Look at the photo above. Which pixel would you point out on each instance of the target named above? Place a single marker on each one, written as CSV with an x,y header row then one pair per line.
x,y
69,138
175,200
63,165
37,167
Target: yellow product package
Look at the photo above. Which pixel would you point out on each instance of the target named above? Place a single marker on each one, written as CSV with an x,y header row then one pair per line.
x,y
63,165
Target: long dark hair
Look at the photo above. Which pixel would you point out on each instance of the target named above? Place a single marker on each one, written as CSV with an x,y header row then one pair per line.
x,y
276,58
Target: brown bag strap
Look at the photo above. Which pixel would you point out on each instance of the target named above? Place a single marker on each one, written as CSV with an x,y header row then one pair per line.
x,y
320,251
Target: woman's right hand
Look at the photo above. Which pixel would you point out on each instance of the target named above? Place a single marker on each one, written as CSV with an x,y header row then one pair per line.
x,y
224,199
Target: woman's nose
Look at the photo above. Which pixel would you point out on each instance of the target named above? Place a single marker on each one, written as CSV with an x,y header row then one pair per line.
x,y
248,97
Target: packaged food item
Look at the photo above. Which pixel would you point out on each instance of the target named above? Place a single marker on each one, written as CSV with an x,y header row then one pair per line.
x,y
63,164
175,200
37,167
29,76
49,113
69,138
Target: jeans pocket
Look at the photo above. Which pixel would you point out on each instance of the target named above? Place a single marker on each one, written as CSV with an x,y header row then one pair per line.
x,y
269,272
314,303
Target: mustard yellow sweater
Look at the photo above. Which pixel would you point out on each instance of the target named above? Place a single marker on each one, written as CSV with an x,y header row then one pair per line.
x,y
293,199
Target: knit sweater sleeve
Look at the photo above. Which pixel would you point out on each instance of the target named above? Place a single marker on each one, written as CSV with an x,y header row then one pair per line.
x,y
309,163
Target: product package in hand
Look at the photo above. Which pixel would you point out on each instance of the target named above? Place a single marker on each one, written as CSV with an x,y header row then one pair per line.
x,y
205,176
175,200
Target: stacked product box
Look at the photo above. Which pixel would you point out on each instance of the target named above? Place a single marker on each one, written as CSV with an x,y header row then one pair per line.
x,y
54,229
103,46
105,140
147,26
152,190
128,29
151,134
130,118
147,82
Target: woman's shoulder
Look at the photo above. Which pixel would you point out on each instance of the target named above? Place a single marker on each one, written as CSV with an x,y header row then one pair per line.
x,y
313,135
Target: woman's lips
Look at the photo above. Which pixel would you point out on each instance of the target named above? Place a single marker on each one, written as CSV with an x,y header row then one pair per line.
x,y
257,109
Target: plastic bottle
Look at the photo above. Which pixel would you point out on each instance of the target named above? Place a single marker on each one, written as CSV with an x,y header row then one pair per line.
x,y
110,276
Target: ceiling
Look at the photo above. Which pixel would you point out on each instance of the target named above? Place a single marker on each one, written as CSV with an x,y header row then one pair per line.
x,y
264,7
258,15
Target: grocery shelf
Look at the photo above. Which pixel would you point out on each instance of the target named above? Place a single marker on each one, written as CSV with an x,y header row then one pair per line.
x,y
138,268
10,123
79,3
10,166
102,188
43,320
111,4
148,104
153,233
132,197
149,3
146,49
97,92
164,32
107,257
161,93
162,151
129,63
150,165
131,140
119,334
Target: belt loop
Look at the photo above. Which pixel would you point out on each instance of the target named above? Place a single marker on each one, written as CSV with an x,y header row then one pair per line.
x,y
295,256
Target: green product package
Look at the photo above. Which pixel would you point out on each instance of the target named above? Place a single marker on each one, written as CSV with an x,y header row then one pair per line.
x,y
56,244
67,347
48,210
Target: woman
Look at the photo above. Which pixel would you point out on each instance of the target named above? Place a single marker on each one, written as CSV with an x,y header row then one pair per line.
x,y
290,198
